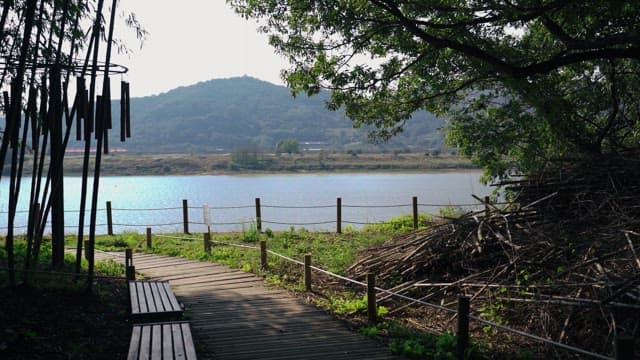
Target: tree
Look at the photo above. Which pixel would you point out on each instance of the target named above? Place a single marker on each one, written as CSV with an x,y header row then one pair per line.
x,y
521,82
289,146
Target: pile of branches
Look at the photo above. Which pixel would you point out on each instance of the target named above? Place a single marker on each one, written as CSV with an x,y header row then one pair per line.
x,y
561,260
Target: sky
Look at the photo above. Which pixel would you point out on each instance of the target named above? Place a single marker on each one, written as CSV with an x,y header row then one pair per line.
x,y
191,41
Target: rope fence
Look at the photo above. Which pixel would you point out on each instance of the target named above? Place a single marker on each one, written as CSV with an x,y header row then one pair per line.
x,y
462,312
214,217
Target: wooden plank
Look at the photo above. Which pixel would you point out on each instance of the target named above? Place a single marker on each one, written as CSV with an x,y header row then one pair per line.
x,y
145,343
157,299
178,344
156,342
172,298
190,349
167,342
148,296
166,304
134,344
141,298
133,297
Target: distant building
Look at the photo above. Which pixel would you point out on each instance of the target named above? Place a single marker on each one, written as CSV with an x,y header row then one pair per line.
x,y
314,146
93,150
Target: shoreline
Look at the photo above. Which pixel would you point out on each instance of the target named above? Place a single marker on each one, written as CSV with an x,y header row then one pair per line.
x,y
271,164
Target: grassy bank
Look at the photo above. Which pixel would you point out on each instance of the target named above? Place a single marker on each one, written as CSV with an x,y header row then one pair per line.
x,y
189,164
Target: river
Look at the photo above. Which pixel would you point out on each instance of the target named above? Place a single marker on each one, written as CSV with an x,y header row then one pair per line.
x,y
298,200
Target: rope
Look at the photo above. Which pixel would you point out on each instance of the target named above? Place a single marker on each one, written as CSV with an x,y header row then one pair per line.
x,y
285,257
299,207
148,225
299,224
452,311
375,206
226,207
222,223
538,338
147,209
364,223
174,237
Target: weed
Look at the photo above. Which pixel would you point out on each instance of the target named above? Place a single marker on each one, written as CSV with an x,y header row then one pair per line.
x,y
250,235
400,224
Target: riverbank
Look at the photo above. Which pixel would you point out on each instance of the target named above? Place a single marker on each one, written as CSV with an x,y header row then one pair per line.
x,y
214,164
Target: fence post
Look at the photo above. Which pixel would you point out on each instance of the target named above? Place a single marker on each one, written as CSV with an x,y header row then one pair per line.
x,y
258,216
207,242
624,348
128,257
307,272
128,261
372,313
339,215
415,212
109,219
149,244
463,326
263,254
131,272
185,215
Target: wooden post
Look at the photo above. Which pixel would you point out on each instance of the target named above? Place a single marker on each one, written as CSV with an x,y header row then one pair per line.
x,y
372,313
149,244
463,326
487,208
207,242
185,215
128,257
263,254
131,272
307,272
109,219
258,216
339,215
415,212
624,348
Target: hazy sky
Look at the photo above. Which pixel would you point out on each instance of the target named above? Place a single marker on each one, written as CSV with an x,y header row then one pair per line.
x,y
191,41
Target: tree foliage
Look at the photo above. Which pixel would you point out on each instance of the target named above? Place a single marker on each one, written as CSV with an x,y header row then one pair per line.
x,y
522,82
289,146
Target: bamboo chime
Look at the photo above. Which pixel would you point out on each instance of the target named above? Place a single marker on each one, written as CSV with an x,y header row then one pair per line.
x,y
50,120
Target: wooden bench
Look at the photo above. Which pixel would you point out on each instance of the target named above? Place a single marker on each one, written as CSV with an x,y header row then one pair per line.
x,y
162,341
153,301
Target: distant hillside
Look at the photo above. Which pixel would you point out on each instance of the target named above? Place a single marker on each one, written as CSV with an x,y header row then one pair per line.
x,y
227,114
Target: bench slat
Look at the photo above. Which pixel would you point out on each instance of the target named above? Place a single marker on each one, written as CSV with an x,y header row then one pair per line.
x,y
141,297
145,344
167,342
156,342
178,344
148,296
134,344
133,295
172,298
166,304
188,339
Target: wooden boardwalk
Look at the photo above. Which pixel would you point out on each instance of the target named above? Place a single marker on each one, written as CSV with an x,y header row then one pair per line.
x,y
234,316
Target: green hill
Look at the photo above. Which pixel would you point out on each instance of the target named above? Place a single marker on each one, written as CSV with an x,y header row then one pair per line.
x,y
227,114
